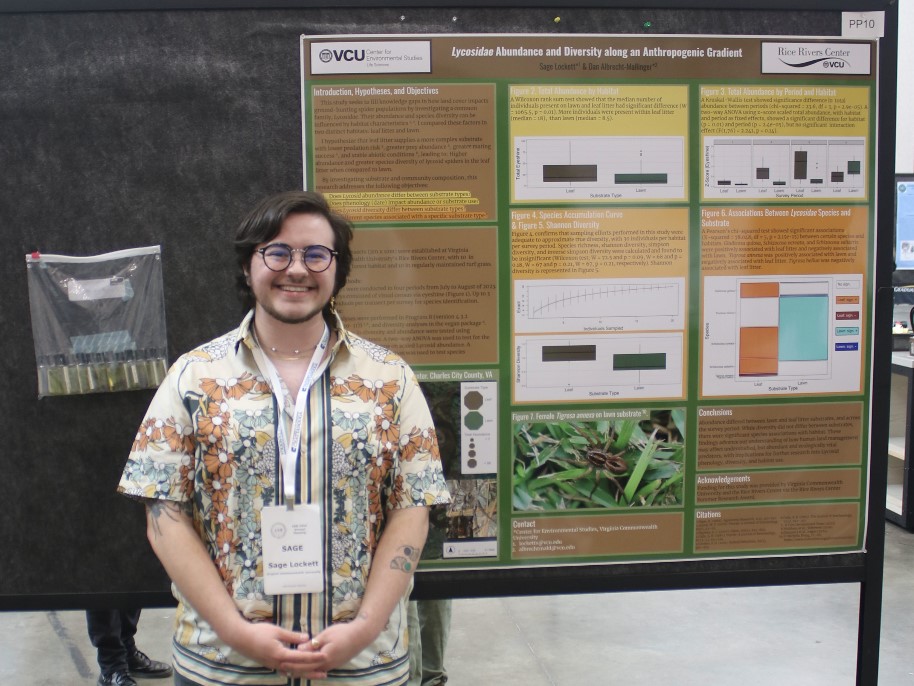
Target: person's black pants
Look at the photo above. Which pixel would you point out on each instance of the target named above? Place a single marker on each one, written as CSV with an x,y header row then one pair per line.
x,y
112,632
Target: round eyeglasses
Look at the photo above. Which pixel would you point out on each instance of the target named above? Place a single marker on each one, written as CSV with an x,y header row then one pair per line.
x,y
278,257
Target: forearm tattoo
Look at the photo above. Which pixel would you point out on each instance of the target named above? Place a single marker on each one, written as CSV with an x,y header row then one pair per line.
x,y
168,508
406,559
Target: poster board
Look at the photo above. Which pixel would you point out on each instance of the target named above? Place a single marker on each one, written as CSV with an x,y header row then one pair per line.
x,y
640,268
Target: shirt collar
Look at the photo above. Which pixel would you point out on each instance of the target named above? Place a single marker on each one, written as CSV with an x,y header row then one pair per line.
x,y
245,332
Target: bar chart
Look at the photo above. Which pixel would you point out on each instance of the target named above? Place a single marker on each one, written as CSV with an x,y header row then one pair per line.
x,y
606,366
783,328
605,167
751,167
782,333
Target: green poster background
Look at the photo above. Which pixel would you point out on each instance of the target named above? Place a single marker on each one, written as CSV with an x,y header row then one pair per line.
x,y
595,478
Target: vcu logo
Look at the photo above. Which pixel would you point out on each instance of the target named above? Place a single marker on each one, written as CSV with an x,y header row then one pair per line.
x,y
824,62
347,55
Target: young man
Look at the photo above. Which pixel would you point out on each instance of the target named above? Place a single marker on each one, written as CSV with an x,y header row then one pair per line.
x,y
287,468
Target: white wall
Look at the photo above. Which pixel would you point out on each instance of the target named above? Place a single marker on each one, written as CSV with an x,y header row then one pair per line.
x,y
904,149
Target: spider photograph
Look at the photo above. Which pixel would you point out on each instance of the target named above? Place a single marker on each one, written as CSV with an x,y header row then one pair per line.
x,y
613,463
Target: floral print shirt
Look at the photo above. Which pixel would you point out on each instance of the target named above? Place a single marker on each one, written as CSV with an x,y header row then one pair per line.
x,y
368,446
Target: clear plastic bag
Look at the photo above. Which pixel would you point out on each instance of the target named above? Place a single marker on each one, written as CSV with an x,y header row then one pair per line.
x,y
98,322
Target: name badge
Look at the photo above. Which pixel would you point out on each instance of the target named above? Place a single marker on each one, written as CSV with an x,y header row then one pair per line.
x,y
292,553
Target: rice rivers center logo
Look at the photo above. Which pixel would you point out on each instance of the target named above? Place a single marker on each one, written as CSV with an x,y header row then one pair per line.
x,y
816,58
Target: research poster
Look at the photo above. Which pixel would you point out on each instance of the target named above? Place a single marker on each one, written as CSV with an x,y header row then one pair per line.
x,y
634,275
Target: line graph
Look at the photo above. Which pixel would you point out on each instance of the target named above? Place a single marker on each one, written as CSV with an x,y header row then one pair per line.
x,y
599,304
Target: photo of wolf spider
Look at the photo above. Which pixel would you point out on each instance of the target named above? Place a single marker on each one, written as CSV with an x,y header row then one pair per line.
x,y
605,463
600,460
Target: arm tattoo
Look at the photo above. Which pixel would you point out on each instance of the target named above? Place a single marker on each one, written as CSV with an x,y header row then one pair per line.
x,y
406,559
169,508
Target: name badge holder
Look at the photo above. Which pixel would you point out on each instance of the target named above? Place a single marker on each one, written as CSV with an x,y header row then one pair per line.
x,y
292,550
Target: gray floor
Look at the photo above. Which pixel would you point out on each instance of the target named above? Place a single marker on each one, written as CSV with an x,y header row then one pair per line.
x,y
772,636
